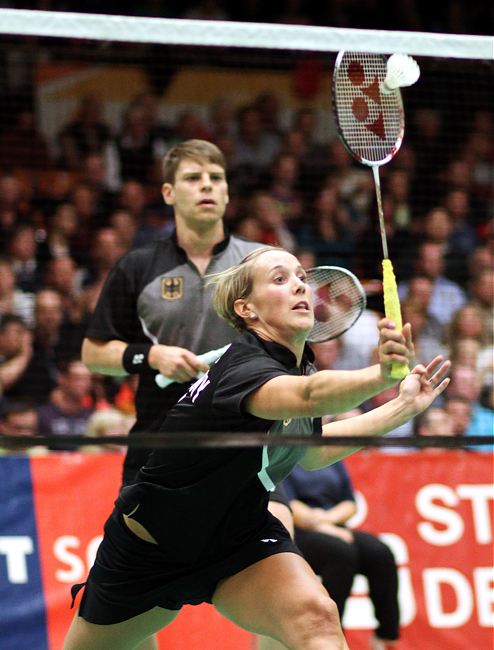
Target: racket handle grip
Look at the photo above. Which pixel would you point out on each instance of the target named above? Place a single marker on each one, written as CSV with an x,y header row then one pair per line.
x,y
208,358
393,312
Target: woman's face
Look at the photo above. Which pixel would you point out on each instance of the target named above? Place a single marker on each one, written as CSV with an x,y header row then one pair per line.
x,y
281,299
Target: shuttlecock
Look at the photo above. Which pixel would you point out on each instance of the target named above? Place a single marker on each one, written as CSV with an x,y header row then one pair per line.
x,y
401,70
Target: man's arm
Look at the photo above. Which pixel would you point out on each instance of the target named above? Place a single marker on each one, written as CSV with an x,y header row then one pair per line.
x,y
106,357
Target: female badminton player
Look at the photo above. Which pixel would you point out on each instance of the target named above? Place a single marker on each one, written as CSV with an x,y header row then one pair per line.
x,y
194,526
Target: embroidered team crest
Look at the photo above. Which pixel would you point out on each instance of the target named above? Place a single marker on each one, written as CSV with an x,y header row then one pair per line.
x,y
172,288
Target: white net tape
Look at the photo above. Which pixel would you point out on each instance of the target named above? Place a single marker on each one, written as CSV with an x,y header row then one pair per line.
x,y
236,34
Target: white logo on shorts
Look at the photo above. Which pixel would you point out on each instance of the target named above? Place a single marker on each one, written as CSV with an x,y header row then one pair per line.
x,y
269,539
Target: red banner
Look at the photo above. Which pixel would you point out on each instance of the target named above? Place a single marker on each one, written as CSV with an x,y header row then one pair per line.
x,y
433,508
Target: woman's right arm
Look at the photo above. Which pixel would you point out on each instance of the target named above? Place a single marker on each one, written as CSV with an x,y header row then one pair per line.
x,y
333,391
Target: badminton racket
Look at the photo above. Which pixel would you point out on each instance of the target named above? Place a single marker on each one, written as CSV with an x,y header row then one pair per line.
x,y
370,118
338,301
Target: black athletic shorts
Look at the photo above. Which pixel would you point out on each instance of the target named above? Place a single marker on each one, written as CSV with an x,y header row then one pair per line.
x,y
131,576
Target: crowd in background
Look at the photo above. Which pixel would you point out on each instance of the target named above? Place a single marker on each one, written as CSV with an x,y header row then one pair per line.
x,y
97,194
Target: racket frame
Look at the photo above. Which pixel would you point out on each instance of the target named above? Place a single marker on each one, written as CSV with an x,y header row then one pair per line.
x,y
351,276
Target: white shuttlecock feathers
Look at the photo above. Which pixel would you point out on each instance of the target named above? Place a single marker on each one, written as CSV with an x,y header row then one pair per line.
x,y
401,70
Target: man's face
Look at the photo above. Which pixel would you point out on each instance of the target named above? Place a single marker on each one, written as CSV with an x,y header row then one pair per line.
x,y
199,194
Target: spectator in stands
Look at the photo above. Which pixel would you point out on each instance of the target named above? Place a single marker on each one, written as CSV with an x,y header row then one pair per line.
x,y
435,421
124,224
89,217
22,253
221,120
322,502
254,149
108,422
61,228
135,146
328,234
190,125
86,133
463,237
22,145
96,173
482,297
465,384
437,227
15,350
427,331
284,185
268,104
151,222
53,340
20,419
305,120
12,299
398,189
447,296
106,249
68,408
460,411
269,214
14,207
55,187
465,352
63,276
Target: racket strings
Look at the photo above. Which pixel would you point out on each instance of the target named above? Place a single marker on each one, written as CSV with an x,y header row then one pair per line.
x,y
338,298
370,122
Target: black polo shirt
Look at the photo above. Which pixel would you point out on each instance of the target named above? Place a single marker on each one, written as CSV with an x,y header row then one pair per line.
x,y
155,294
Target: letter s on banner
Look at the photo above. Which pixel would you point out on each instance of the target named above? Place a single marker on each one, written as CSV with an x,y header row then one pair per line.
x,y
450,519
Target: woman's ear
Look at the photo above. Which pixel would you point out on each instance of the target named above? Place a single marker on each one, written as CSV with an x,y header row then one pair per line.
x,y
242,309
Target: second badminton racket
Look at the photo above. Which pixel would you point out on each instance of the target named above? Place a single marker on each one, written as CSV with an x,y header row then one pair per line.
x,y
338,299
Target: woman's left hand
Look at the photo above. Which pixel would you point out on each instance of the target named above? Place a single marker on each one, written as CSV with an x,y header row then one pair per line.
x,y
421,387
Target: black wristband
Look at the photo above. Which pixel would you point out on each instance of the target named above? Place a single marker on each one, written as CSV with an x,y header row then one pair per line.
x,y
135,358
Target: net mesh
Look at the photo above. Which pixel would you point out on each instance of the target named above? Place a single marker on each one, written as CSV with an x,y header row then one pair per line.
x,y
92,102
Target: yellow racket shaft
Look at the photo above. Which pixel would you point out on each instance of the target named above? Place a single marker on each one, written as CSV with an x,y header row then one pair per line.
x,y
393,312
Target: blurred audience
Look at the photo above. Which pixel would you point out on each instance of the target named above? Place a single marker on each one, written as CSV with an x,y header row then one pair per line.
x,y
68,407
20,419
69,207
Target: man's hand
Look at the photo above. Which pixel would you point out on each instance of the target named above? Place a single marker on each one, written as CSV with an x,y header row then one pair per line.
x,y
178,364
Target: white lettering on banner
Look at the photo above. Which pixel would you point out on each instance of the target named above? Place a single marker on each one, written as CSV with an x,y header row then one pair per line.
x,y
483,579
480,496
438,617
64,550
15,548
450,521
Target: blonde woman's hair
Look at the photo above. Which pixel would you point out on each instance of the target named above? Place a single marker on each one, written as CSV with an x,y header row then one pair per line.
x,y
236,283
